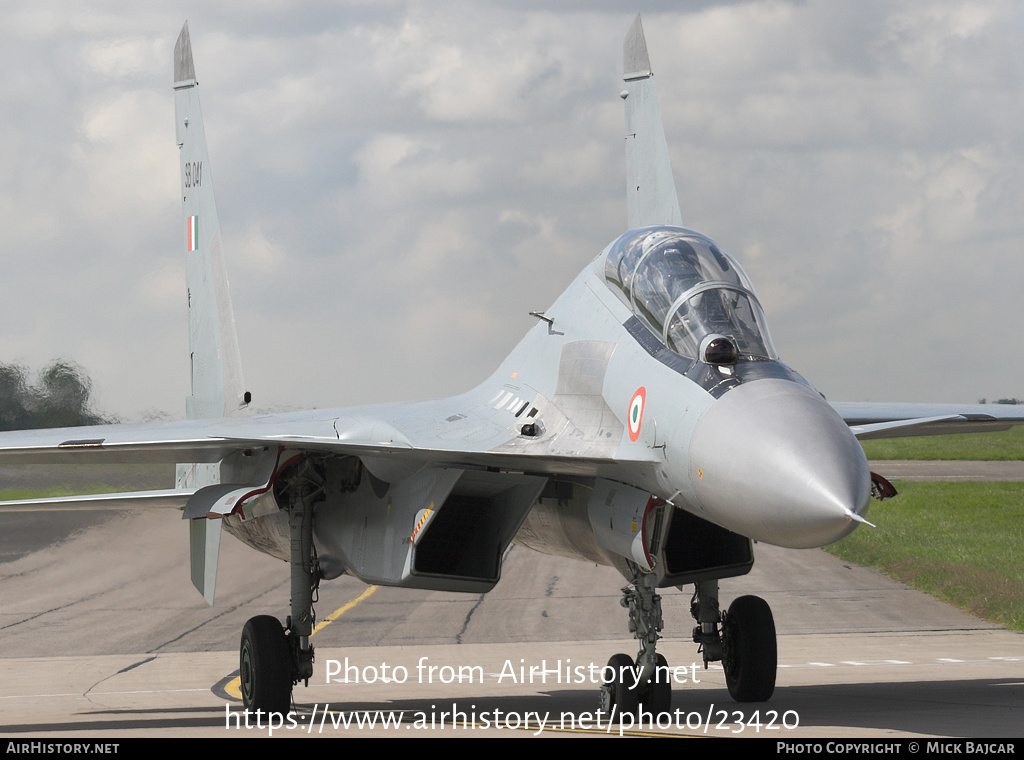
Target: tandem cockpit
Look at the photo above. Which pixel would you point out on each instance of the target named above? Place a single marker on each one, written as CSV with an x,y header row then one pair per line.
x,y
690,294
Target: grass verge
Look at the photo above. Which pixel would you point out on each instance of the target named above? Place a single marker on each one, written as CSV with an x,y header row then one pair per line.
x,y
960,542
1007,445
16,494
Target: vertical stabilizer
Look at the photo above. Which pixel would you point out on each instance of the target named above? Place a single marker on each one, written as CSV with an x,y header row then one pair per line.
x,y
217,388
215,365
650,189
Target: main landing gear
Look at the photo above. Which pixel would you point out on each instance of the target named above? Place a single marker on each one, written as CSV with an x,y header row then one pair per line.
x,y
745,643
265,665
273,658
743,639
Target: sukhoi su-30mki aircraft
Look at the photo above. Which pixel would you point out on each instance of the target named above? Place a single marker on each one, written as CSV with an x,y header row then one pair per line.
x,y
645,422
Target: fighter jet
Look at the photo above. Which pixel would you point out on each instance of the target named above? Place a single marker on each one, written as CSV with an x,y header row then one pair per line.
x,y
645,423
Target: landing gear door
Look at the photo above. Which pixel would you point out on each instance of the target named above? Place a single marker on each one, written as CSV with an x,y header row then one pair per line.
x,y
616,513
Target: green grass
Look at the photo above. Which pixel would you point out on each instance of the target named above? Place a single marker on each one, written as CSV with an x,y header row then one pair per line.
x,y
960,542
1008,445
13,494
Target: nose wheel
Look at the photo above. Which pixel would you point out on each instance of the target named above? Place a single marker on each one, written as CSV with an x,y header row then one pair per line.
x,y
618,694
643,683
628,690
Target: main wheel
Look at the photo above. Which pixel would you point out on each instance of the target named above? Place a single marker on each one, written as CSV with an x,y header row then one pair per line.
x,y
616,694
265,666
749,653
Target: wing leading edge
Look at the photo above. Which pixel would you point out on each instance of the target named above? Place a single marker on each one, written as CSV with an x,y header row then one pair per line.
x,y
885,420
393,440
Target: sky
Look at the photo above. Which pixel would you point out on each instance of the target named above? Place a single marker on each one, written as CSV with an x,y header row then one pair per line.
x,y
400,183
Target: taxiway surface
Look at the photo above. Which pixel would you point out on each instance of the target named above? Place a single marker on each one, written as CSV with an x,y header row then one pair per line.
x,y
104,636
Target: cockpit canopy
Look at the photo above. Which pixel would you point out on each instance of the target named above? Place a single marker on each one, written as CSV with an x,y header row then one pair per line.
x,y
684,287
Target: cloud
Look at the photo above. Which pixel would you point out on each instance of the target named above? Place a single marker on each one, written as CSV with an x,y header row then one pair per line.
x,y
399,183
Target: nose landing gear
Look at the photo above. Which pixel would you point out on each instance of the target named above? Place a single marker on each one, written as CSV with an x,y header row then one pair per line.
x,y
644,683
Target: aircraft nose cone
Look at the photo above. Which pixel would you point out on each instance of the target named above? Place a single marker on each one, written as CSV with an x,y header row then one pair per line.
x,y
773,461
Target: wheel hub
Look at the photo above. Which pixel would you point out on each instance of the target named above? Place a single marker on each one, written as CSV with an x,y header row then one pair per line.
x,y
246,674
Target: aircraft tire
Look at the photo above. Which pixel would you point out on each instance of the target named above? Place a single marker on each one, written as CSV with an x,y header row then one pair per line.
x,y
265,666
617,694
659,691
750,654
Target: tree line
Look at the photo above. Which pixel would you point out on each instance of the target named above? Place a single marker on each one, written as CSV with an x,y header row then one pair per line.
x,y
59,397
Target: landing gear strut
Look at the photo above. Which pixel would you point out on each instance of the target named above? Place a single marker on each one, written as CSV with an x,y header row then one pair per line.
x,y
745,643
645,682
273,658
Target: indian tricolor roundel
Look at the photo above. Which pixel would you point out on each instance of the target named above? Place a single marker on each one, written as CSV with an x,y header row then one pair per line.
x,y
636,413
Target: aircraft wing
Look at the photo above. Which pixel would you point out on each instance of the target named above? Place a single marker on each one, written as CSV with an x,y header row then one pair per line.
x,y
192,441
393,440
870,420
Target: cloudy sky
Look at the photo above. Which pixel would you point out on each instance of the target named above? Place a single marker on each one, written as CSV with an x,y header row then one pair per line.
x,y
400,183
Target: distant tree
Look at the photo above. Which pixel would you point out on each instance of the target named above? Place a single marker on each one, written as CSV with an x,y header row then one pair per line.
x,y
14,395
59,398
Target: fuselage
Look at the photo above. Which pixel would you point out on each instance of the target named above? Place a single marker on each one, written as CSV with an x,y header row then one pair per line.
x,y
766,457
748,445
616,396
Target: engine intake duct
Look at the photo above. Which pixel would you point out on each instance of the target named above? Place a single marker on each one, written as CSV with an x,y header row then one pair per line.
x,y
697,550
461,541
474,526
